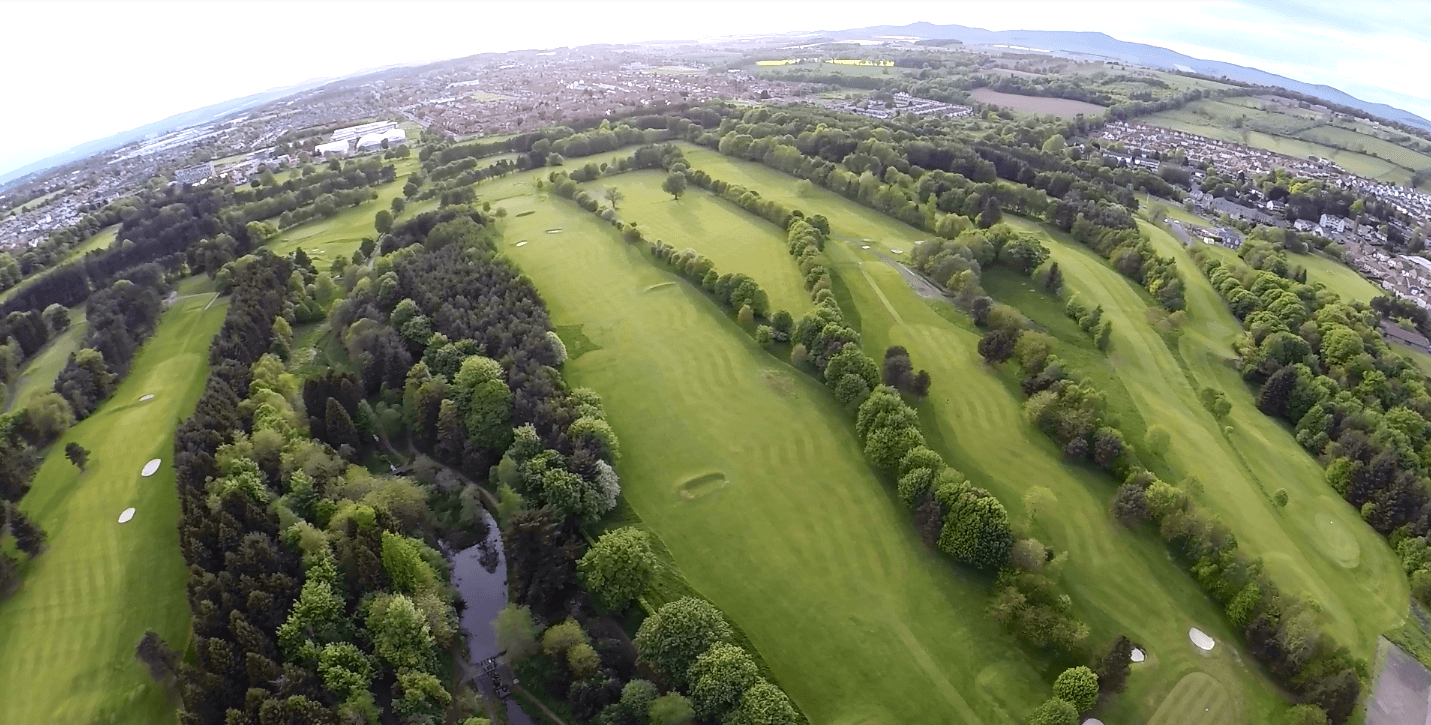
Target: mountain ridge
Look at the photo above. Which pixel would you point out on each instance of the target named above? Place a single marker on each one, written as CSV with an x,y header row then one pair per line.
x,y
1098,43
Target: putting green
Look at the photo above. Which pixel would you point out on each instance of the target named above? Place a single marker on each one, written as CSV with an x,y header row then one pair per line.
x,y
1334,539
67,655
1198,699
801,544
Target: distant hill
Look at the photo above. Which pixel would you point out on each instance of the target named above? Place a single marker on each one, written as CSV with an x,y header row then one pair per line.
x,y
181,120
1102,44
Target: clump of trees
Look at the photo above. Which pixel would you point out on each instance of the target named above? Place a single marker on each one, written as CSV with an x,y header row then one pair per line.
x,y
120,318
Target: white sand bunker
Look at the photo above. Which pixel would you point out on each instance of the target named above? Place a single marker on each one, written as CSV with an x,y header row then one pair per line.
x,y
150,468
1200,639
126,515
147,397
897,251
521,244
1137,655
865,247
1091,721
557,230
921,241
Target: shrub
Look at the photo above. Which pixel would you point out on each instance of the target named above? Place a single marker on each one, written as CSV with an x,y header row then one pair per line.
x,y
1077,686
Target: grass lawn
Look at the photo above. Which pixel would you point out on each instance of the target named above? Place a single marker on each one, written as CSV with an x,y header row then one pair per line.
x,y
734,240
38,376
751,476
101,240
1338,277
340,234
1063,107
68,651
1316,545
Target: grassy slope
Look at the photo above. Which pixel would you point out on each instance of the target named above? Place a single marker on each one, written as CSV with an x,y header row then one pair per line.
x,y
802,544
734,240
68,649
1122,582
1317,543
40,372
1338,277
324,239
101,240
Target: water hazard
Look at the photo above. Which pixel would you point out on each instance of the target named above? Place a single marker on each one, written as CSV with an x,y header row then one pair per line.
x,y
479,573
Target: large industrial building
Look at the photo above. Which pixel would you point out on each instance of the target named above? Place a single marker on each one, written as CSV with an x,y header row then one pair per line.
x,y
352,132
194,174
334,148
394,136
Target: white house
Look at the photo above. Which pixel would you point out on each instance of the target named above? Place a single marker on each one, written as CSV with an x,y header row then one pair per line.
x,y
1333,223
335,148
1304,225
394,136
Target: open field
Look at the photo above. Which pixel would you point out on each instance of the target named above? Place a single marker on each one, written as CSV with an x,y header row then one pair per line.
x,y
340,234
1063,107
1338,277
68,650
750,474
734,240
974,417
101,240
485,97
1295,132
38,375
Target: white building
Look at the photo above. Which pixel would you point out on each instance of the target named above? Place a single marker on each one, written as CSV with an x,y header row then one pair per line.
x,y
1333,223
335,148
194,174
352,132
1304,225
394,136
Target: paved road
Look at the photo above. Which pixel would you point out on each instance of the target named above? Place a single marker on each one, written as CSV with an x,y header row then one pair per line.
x,y
1402,692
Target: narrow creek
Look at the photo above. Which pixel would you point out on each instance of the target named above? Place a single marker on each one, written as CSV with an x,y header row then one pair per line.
x,y
479,573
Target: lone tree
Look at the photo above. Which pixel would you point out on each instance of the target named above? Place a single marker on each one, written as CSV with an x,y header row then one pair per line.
x,y
28,537
614,196
618,567
675,184
157,657
383,221
77,454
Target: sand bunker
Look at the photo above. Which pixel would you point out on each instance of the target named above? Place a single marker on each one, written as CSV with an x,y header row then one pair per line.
x,y
896,251
126,515
701,485
921,241
1091,721
150,468
521,244
1200,639
865,247
1137,655
556,230
147,397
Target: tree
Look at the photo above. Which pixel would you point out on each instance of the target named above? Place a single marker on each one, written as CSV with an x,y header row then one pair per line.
x,y
763,704
1157,439
401,636
675,184
515,631
991,213
339,426
613,196
1215,401
1112,667
618,568
1279,497
764,335
719,677
1077,686
399,204
745,316
1054,281
156,656
77,454
561,637
28,537
1054,712
1305,715
670,709
996,346
671,639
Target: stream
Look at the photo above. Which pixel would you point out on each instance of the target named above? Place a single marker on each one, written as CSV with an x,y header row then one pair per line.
x,y
479,573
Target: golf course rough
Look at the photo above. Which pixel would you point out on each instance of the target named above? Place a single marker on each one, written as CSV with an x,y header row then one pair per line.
x,y
67,654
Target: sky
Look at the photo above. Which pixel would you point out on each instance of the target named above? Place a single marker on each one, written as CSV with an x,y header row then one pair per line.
x,y
82,71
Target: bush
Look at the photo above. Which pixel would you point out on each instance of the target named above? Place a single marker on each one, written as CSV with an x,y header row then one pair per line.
x,y
1077,686
1054,712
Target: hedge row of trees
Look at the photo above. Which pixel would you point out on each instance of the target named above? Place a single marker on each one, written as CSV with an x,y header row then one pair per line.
x,y
1324,366
120,318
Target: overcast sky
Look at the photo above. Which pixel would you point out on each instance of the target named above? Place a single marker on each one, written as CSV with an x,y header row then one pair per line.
x,y
76,72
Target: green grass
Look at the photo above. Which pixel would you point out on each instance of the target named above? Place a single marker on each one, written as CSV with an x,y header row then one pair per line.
x,y
341,234
1197,700
734,240
101,240
802,544
1121,582
68,651
1339,278
38,375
